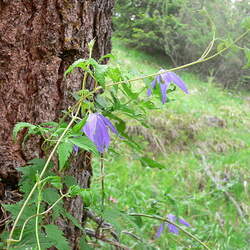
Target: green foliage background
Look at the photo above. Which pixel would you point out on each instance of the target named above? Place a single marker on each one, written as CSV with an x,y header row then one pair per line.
x,y
182,29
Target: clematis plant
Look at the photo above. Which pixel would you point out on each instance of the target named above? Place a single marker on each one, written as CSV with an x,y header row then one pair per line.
x,y
171,228
97,129
164,80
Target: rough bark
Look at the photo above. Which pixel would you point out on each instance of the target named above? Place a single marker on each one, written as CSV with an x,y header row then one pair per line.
x,y
38,40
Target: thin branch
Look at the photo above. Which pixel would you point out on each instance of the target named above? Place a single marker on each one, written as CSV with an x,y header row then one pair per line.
x,y
92,233
133,235
171,222
101,223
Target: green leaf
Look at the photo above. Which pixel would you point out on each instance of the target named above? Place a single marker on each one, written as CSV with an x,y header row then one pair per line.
x,y
85,143
106,56
246,23
50,195
19,126
128,91
79,125
147,162
29,174
115,74
49,124
64,151
55,181
69,181
102,102
100,74
80,63
55,235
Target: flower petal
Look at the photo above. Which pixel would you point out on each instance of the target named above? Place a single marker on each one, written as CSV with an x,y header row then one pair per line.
x,y
171,217
97,131
185,223
108,123
153,83
177,81
164,88
90,126
173,229
101,136
160,230
149,92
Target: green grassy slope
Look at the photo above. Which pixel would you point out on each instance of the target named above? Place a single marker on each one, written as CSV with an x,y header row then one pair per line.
x,y
201,137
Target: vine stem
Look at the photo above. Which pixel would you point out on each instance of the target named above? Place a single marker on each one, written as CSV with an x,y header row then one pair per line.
x,y
35,215
102,180
200,60
37,218
40,177
171,222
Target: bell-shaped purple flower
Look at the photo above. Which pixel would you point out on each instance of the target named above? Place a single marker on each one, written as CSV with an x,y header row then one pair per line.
x,y
164,81
97,130
171,228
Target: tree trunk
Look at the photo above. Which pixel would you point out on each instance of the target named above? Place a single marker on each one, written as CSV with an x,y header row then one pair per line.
x,y
39,39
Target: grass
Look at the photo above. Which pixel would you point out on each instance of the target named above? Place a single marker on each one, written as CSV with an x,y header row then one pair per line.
x,y
211,123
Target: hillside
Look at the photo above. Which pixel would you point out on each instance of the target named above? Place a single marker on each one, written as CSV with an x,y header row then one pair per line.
x,y
203,140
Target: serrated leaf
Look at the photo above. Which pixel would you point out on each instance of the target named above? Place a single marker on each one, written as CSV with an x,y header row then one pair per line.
x,y
19,126
29,173
128,91
115,74
102,102
14,209
55,235
50,195
148,162
100,74
80,63
76,190
79,125
49,124
55,181
106,56
64,151
85,143
69,181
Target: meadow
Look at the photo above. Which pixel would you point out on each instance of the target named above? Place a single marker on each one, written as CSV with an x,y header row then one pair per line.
x,y
203,141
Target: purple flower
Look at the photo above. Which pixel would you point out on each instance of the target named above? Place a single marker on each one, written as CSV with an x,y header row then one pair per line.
x,y
164,81
75,149
96,128
171,228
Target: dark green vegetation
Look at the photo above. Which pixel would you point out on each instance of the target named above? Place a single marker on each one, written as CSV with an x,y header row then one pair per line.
x,y
183,29
198,138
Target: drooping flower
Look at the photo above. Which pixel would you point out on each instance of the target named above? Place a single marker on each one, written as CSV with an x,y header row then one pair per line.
x,y
97,130
164,81
171,228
